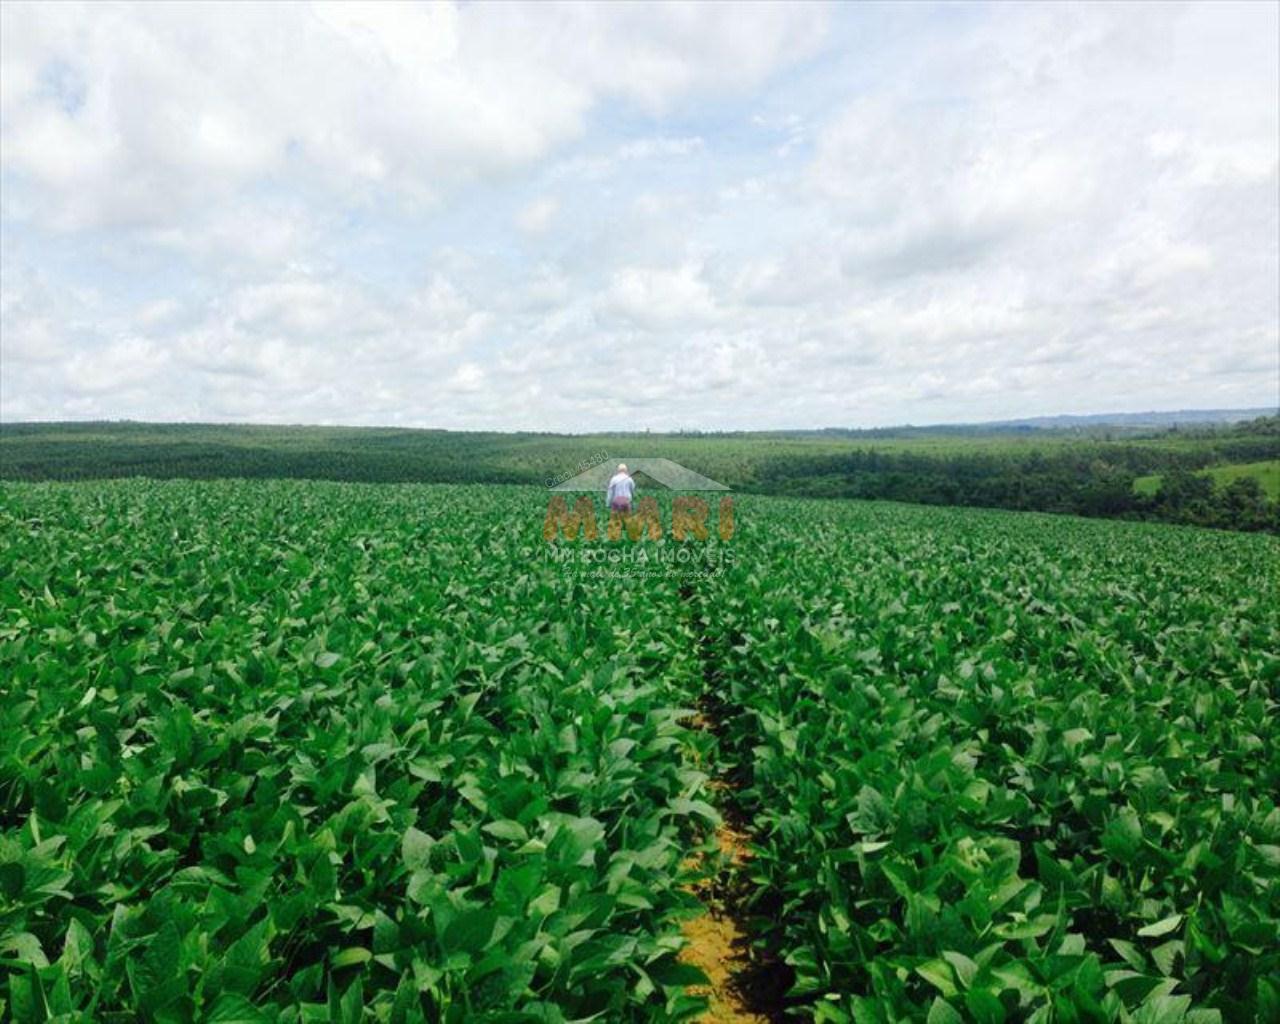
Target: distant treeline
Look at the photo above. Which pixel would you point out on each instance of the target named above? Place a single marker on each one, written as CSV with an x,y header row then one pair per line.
x,y
1044,470
1085,479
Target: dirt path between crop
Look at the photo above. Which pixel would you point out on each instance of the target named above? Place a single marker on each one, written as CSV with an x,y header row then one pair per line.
x,y
717,944
741,988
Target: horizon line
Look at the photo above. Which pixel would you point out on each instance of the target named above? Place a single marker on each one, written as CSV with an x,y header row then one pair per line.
x,y
1029,420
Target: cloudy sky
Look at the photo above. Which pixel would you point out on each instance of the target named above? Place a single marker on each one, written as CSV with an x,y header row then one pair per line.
x,y
609,216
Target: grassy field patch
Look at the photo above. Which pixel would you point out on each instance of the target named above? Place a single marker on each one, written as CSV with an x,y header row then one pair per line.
x,y
1266,472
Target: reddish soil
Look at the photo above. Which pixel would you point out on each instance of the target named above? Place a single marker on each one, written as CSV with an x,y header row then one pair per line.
x,y
717,946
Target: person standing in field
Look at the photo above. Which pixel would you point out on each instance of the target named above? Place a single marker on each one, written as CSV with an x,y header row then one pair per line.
x,y
621,489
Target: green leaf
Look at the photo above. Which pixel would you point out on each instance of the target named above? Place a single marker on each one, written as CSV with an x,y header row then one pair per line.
x,y
27,998
1074,737
1129,953
233,1008
161,962
938,974
964,967
506,829
942,1012
351,955
1163,1008
1122,837
470,931
576,841
1161,927
12,880
26,946
352,1008
415,848
516,886
548,901
672,973
77,948
1166,956
984,1006
873,814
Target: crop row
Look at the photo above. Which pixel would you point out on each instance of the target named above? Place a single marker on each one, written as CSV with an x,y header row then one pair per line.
x,y
1006,768
310,752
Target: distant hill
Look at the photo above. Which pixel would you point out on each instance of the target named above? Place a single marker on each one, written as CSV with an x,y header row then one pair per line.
x,y
1097,425
1177,418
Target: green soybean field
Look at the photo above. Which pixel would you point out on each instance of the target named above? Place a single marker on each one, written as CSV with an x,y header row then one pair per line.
x,y
294,751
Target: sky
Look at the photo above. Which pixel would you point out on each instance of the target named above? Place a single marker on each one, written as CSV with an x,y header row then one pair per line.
x,y
614,216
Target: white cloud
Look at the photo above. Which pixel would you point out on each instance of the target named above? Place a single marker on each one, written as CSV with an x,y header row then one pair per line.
x,y
119,366
590,216
655,298
467,377
181,105
535,218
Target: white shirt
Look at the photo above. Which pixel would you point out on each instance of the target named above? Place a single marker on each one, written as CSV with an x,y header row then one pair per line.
x,y
620,486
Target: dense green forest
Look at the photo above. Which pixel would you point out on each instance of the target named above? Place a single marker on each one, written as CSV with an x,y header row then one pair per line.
x,y
1083,472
